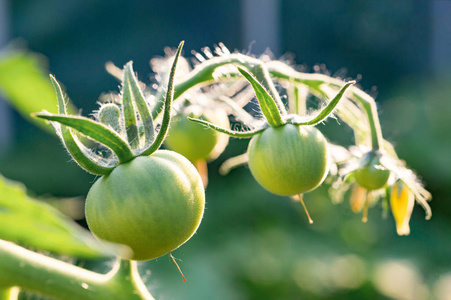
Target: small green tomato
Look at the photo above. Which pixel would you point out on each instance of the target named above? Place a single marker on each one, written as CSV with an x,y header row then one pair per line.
x,y
152,204
289,160
371,174
196,142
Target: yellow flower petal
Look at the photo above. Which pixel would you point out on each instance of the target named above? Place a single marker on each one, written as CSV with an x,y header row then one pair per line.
x,y
402,201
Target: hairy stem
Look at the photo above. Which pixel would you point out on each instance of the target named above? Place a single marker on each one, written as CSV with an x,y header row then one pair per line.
x,y
315,81
9,293
31,271
204,74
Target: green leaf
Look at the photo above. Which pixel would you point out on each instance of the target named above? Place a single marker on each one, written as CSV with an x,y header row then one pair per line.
x,y
130,124
132,83
328,109
267,104
167,108
95,131
233,133
260,72
87,160
36,224
25,85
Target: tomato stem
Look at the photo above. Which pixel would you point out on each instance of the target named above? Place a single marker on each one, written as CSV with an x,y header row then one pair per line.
x,y
299,198
233,162
366,208
297,98
9,293
323,114
31,271
233,133
177,265
204,74
315,82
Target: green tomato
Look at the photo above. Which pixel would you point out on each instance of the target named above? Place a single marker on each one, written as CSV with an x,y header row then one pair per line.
x,y
152,204
289,160
371,174
197,142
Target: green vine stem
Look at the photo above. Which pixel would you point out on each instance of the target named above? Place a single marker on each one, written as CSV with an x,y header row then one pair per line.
x,y
209,72
9,293
314,81
31,271
204,74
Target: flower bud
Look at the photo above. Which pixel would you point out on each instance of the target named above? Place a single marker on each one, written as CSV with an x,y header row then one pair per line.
x,y
371,174
358,198
402,200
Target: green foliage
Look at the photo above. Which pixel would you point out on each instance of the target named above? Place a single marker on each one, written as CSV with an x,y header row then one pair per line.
x,y
24,82
36,224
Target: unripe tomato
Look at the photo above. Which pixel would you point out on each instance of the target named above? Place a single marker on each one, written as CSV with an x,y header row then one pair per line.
x,y
289,160
153,204
197,142
371,174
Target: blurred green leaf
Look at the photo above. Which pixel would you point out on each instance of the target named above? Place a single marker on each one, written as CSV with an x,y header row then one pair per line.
x,y
36,224
25,85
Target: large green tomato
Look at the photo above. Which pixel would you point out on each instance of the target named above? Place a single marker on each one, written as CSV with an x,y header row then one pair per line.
x,y
197,142
371,174
289,160
152,204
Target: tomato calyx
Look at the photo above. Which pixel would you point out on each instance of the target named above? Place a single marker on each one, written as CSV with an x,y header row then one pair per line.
x,y
131,136
270,109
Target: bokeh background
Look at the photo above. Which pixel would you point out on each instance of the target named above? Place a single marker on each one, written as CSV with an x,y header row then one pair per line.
x,y
251,244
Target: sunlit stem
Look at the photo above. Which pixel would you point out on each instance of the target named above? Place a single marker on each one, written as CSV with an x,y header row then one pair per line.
x,y
373,120
300,199
177,265
9,293
316,81
323,114
235,134
297,99
366,208
203,74
233,162
31,271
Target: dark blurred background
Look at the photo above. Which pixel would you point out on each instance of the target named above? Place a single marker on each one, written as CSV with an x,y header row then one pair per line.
x,y
251,244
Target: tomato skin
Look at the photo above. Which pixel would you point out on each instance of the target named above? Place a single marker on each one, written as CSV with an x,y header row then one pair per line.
x,y
197,142
153,204
371,174
289,160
